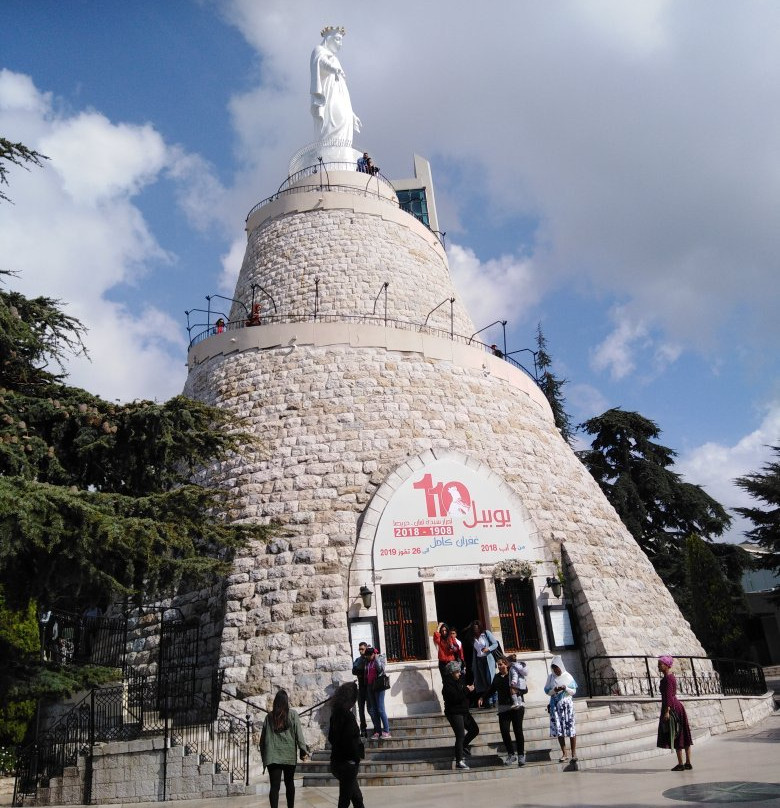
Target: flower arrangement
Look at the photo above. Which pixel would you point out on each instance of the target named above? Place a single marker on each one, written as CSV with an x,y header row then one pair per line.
x,y
512,568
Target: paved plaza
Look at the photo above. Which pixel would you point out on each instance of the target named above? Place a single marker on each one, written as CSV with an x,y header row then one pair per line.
x,y
739,767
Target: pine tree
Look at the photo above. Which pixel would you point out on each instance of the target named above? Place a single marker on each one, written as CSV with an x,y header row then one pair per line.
x,y
97,500
657,507
714,605
16,154
552,387
765,487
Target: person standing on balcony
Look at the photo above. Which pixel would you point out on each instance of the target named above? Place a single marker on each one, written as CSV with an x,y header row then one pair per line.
x,y
281,737
561,687
674,732
457,697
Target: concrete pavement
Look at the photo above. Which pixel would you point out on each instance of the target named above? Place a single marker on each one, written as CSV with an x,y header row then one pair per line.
x,y
737,767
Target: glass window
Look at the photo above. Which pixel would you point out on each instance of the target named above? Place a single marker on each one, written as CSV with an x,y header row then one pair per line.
x,y
518,615
415,202
402,610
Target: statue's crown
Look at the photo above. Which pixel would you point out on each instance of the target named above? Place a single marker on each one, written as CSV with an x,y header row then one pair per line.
x,y
333,29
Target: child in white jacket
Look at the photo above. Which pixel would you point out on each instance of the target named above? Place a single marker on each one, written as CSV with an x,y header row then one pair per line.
x,y
518,672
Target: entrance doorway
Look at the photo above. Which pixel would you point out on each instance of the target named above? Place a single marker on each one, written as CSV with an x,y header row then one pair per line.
x,y
458,603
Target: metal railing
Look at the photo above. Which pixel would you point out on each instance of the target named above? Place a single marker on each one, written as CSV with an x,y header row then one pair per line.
x,y
322,170
209,330
636,675
68,639
324,186
136,709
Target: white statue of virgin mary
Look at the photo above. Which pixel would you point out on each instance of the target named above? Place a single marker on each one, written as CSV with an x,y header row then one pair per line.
x,y
331,108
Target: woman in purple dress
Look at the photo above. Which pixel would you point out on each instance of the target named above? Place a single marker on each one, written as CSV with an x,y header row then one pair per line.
x,y
674,732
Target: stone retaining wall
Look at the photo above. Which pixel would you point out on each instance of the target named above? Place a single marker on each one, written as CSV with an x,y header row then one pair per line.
x,y
133,772
718,714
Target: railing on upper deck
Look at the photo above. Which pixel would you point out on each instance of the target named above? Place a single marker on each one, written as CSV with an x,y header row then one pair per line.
x,y
636,676
205,330
374,183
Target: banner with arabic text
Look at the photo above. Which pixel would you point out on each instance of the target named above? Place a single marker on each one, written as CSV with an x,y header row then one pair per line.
x,y
449,514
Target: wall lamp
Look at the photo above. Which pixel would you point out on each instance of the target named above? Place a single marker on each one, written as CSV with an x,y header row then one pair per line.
x,y
555,585
365,595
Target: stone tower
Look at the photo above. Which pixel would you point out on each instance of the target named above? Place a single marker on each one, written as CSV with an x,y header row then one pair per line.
x,y
405,464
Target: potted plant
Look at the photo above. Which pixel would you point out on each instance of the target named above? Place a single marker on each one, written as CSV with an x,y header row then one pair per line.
x,y
512,568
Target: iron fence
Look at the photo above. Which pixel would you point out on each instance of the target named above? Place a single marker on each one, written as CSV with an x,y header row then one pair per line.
x,y
635,675
129,711
68,639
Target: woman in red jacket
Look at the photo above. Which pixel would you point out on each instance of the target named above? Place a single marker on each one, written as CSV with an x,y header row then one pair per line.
x,y
448,650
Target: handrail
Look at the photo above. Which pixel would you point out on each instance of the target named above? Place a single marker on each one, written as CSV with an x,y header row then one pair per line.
x,y
302,189
246,701
729,677
315,706
405,325
262,709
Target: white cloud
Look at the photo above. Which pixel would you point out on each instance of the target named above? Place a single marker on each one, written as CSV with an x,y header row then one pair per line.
x,y
497,289
74,233
98,160
585,401
642,140
616,352
231,266
715,466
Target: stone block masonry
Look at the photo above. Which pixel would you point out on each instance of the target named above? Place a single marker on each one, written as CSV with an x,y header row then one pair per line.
x,y
135,772
332,423
342,412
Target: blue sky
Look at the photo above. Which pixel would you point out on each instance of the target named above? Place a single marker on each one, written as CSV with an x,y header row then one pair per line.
x,y
609,169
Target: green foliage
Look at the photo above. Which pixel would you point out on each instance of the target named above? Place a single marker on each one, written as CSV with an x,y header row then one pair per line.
x,y
18,628
657,507
97,500
764,486
714,605
7,760
18,642
552,387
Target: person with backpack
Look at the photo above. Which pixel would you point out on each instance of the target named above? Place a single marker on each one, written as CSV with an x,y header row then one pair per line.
x,y
281,737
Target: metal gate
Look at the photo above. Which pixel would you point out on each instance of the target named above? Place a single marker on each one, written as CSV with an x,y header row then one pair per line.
x,y
178,662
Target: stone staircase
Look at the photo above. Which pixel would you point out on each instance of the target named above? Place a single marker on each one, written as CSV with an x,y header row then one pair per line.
x,y
420,750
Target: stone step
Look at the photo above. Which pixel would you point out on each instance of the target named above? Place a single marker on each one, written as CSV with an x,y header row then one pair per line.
x,y
430,762
489,723
537,737
536,711
480,769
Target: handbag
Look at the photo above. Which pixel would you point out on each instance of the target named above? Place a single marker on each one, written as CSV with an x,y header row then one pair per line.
x,y
498,651
382,682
